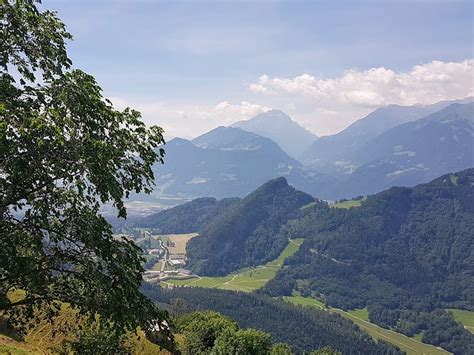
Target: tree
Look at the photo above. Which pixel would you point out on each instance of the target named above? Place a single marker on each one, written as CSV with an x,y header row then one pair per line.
x,y
201,329
327,350
281,349
98,338
243,341
64,152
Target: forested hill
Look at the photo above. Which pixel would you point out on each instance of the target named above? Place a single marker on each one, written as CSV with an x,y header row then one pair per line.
x,y
403,249
189,217
247,234
304,328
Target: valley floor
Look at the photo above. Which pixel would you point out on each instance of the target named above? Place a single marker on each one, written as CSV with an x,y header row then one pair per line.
x,y
246,279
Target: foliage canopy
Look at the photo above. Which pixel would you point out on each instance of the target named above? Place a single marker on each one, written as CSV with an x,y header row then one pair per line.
x,y
65,151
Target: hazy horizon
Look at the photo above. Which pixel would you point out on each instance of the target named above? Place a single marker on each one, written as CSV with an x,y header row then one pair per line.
x,y
193,66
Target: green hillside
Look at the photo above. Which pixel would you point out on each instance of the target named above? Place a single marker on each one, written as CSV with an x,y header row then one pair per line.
x,y
246,279
360,317
399,254
247,234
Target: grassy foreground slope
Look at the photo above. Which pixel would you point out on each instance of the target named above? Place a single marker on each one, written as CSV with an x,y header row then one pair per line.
x,y
48,336
409,345
246,279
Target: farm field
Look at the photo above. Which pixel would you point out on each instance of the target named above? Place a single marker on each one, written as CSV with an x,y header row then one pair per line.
x,y
464,317
360,317
246,279
178,241
347,204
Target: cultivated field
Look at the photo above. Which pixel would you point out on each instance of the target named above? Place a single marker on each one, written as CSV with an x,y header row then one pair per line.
x,y
178,241
360,317
247,279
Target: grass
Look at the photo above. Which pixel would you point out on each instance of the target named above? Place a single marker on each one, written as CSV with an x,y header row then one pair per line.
x,y
411,346
360,313
464,317
454,180
304,301
157,266
48,335
246,279
11,346
179,242
347,204
418,336
164,238
149,243
311,204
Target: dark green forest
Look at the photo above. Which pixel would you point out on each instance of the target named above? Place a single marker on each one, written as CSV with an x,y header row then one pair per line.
x,y
247,234
406,254
305,329
189,217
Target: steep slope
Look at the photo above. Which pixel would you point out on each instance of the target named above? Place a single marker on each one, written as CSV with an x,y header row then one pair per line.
x,y
189,217
335,153
415,152
229,162
280,128
303,328
246,234
403,253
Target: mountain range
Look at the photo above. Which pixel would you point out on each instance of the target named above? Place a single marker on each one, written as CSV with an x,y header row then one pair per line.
x,y
414,152
228,162
394,145
334,154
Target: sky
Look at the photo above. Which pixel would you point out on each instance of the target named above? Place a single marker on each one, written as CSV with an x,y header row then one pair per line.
x,y
190,66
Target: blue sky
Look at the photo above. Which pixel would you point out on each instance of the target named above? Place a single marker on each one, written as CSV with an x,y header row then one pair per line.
x,y
177,61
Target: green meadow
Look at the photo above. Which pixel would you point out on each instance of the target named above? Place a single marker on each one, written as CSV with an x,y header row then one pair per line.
x,y
360,317
246,279
347,204
464,317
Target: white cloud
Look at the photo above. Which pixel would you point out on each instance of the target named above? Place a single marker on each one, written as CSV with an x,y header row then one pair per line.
x,y
424,84
322,105
233,113
188,121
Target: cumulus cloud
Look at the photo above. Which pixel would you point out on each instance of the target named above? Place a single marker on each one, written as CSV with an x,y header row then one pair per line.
x,y
241,111
322,105
425,84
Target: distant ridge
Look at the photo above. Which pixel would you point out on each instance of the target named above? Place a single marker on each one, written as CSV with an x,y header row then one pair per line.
x,y
279,127
415,152
332,154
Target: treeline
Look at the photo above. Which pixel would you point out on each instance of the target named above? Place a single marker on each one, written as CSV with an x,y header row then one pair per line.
x,y
247,233
304,329
403,249
437,327
209,332
189,217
